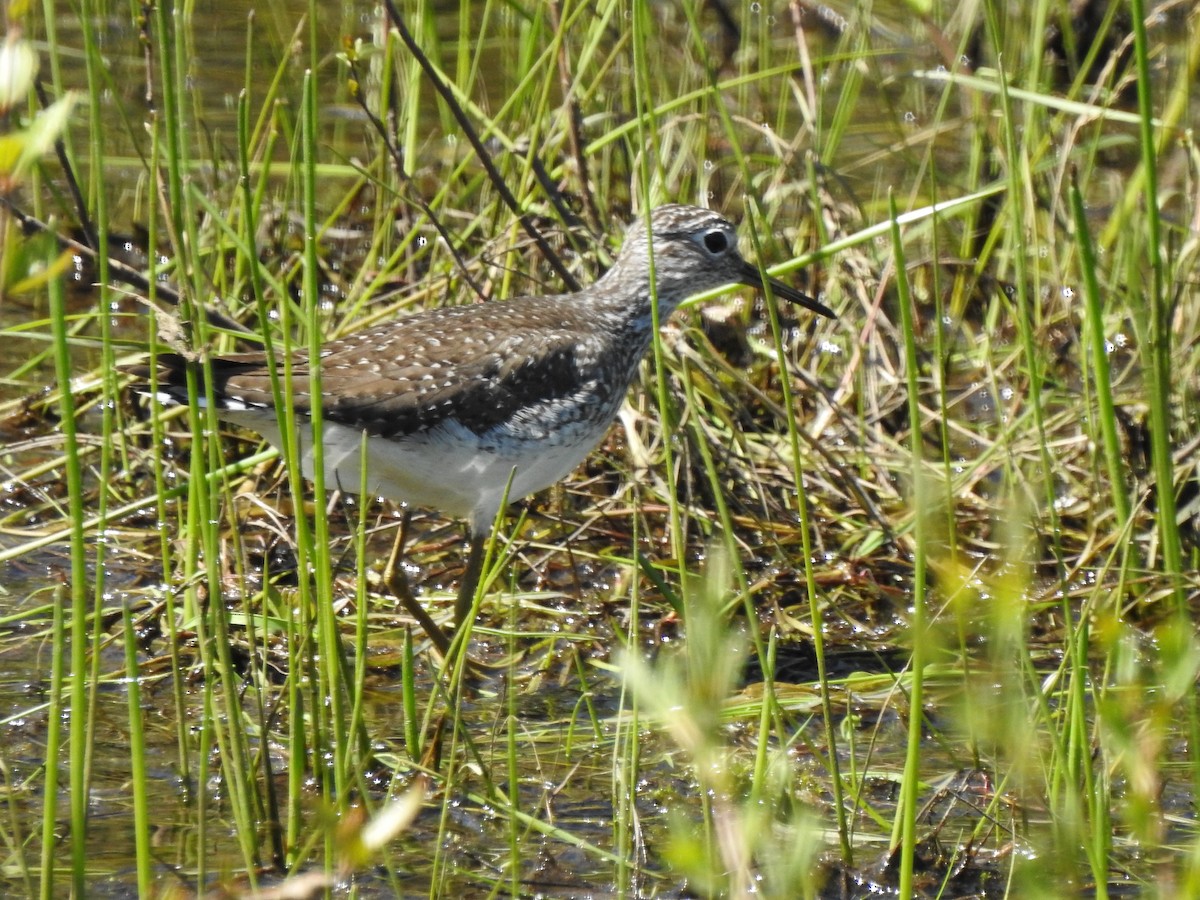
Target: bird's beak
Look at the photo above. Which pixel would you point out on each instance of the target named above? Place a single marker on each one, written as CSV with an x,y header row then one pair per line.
x,y
753,278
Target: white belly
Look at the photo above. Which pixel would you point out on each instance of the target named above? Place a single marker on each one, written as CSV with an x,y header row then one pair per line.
x,y
449,469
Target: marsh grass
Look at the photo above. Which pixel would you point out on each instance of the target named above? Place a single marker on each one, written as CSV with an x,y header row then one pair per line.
x,y
930,568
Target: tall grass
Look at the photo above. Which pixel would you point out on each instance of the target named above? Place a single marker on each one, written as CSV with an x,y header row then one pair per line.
x,y
930,568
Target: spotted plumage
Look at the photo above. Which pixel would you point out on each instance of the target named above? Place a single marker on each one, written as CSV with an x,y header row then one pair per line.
x,y
453,402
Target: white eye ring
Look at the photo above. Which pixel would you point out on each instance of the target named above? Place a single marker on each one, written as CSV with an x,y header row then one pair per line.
x,y
716,242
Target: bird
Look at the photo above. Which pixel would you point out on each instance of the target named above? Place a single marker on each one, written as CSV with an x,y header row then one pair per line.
x,y
463,408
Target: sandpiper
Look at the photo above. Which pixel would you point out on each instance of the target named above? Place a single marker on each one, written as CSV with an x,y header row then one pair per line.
x,y
464,406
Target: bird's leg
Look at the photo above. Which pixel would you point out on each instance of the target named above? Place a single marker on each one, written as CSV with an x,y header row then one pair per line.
x,y
397,582
470,579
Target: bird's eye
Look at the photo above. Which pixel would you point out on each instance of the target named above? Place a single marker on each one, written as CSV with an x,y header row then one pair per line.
x,y
716,242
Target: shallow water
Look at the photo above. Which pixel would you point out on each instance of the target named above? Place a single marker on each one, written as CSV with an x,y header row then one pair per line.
x,y
566,772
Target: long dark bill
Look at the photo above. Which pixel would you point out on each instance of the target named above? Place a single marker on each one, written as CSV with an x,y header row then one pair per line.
x,y
753,278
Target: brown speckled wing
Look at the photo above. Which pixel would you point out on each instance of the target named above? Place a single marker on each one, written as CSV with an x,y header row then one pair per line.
x,y
481,389
478,364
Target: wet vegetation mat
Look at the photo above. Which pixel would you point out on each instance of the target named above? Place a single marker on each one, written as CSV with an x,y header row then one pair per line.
x,y
901,603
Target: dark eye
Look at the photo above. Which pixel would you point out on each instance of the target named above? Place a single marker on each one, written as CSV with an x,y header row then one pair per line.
x,y
715,242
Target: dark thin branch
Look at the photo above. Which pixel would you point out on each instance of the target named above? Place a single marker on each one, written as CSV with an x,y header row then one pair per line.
x,y
398,163
480,151
122,272
574,121
86,225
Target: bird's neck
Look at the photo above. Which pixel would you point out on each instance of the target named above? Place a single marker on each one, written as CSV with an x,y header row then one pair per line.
x,y
627,299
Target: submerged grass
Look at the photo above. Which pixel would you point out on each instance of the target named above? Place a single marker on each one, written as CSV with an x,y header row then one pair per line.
x,y
942,643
